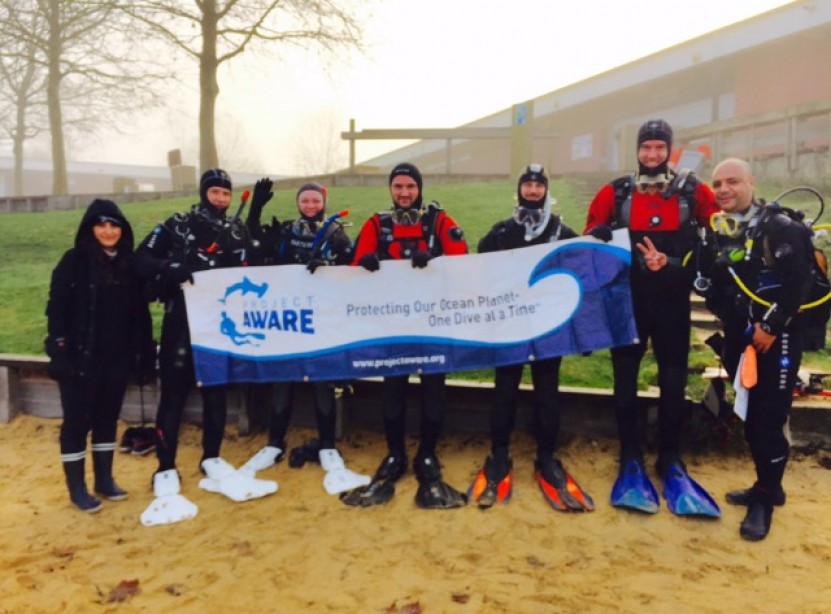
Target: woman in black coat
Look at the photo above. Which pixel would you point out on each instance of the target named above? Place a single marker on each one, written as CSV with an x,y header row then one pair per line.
x,y
99,334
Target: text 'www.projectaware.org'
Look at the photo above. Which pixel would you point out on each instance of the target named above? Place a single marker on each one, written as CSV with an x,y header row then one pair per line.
x,y
397,362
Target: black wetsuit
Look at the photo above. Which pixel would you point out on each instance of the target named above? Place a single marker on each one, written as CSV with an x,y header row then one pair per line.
x,y
198,240
296,246
545,374
779,271
661,303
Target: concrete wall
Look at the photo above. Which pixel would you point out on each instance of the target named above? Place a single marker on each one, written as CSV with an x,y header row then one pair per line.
x,y
586,413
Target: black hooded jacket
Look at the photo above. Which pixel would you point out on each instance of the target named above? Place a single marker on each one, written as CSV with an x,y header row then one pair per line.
x,y
96,313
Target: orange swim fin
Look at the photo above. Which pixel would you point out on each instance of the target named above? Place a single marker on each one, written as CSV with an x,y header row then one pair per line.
x,y
488,489
560,490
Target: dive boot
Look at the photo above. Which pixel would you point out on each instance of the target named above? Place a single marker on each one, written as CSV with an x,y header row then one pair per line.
x,y
309,452
382,487
756,524
494,482
743,497
433,493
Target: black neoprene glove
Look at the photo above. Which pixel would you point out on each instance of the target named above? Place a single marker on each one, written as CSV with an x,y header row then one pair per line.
x,y
370,262
177,273
262,194
59,365
313,265
602,232
420,259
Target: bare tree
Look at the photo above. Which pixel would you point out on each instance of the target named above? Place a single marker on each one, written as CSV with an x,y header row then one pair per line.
x,y
318,148
213,32
83,52
22,91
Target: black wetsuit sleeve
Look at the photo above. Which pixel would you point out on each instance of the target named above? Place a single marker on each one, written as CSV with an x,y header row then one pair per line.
x,y
791,250
153,254
341,247
59,305
491,242
566,232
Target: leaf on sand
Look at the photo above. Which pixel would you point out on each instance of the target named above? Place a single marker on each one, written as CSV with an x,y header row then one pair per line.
x,y
63,552
408,608
124,590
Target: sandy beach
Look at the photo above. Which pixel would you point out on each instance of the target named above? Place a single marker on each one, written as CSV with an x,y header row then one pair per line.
x,y
301,550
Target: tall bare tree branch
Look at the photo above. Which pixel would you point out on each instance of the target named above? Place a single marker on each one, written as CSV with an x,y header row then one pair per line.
x,y
214,32
84,53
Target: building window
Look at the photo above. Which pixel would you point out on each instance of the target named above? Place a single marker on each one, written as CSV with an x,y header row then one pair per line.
x,y
581,147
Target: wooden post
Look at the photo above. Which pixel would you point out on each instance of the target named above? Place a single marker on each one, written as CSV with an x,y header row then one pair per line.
x,y
352,147
790,146
9,395
522,129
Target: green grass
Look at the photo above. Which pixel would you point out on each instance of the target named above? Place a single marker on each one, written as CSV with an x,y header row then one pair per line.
x,y
32,244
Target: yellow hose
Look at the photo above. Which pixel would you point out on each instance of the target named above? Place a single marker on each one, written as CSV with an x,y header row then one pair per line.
x,y
765,303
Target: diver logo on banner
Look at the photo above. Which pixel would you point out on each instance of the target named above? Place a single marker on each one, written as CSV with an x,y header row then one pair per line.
x,y
280,323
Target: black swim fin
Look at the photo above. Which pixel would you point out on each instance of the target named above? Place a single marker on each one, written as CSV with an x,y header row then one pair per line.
x,y
439,495
378,492
434,493
382,487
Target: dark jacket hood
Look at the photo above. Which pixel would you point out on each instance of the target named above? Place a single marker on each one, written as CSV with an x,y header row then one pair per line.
x,y
106,209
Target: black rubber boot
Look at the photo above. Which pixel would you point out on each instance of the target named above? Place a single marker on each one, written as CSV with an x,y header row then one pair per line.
x,y
756,524
102,463
77,486
391,468
309,452
743,496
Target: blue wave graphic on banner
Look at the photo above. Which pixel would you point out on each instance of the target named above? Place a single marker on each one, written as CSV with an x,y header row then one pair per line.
x,y
601,319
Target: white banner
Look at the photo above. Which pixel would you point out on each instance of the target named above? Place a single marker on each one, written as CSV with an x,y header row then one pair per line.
x,y
460,312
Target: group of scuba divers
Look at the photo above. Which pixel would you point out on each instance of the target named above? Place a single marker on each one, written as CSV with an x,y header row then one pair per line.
x,y
755,260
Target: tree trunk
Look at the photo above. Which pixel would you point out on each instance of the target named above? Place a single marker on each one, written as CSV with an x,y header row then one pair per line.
x,y
17,149
208,88
53,94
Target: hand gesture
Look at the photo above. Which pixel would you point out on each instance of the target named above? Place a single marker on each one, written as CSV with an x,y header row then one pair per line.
x,y
262,194
654,260
177,273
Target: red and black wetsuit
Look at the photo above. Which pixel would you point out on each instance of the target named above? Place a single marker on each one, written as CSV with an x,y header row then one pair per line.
x,y
439,234
661,302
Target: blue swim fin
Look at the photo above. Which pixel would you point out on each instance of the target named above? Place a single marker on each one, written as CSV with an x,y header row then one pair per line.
x,y
686,497
633,490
